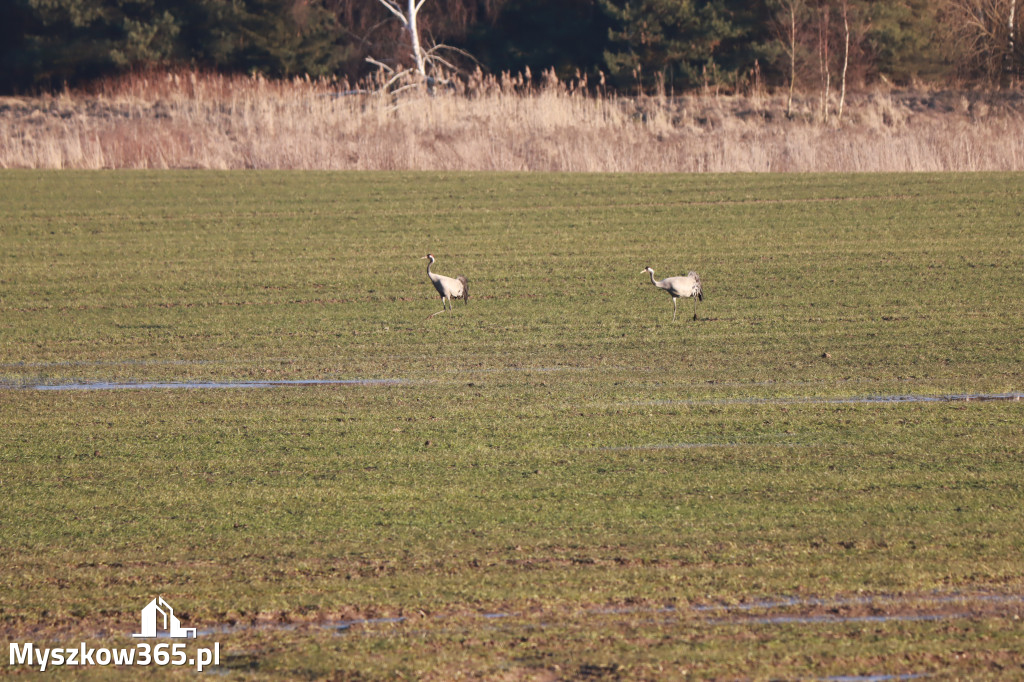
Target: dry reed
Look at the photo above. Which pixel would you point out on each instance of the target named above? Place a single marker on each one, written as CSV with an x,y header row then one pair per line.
x,y
190,120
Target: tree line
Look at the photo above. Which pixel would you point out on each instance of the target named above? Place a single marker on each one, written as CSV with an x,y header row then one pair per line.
x,y
621,45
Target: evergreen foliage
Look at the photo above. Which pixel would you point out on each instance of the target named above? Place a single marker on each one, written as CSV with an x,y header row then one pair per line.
x,y
56,42
567,35
684,42
904,40
678,44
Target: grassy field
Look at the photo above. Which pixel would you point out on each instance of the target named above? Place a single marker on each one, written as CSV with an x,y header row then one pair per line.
x,y
560,481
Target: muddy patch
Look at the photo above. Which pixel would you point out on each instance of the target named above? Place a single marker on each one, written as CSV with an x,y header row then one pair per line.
x,y
755,612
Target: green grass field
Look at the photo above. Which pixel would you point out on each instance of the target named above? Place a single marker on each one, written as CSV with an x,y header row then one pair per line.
x,y
621,489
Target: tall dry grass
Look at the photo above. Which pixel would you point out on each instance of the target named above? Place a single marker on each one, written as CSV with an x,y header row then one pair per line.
x,y
190,120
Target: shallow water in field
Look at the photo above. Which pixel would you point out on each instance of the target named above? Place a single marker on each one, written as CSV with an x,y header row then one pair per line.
x,y
875,678
756,612
281,383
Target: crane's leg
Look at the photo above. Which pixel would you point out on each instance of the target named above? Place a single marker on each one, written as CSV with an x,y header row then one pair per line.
x,y
695,308
674,306
439,311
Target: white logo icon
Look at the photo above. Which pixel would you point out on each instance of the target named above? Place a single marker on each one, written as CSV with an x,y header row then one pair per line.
x,y
171,623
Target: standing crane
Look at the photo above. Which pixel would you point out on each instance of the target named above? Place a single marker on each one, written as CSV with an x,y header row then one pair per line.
x,y
680,287
448,287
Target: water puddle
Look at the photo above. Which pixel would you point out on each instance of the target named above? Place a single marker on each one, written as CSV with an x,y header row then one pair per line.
x,y
146,385
780,611
906,608
336,625
832,618
339,626
875,678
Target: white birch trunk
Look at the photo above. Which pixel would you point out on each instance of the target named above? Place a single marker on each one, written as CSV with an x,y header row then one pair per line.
x,y
792,59
414,36
1012,57
408,19
846,58
826,75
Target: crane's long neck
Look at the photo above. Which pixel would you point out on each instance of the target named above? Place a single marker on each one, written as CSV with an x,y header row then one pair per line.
x,y
654,281
430,261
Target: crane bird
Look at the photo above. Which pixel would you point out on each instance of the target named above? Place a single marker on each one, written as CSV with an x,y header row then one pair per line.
x,y
448,287
680,287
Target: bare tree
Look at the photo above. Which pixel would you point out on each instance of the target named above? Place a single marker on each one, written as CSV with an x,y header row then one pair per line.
x,y
844,8
430,67
823,57
1011,26
408,17
790,19
983,34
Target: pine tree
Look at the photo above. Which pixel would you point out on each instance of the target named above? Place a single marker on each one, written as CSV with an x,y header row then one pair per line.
x,y
687,42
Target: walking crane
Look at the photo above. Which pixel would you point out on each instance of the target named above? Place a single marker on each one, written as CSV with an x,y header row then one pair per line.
x,y
447,287
680,287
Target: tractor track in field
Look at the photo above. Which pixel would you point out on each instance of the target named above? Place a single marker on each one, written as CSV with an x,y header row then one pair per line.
x,y
755,612
745,611
142,384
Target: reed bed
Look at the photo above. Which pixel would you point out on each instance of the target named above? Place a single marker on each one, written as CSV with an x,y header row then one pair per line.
x,y
195,120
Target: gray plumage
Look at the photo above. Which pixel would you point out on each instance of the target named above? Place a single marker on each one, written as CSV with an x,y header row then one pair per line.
x,y
680,287
447,287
